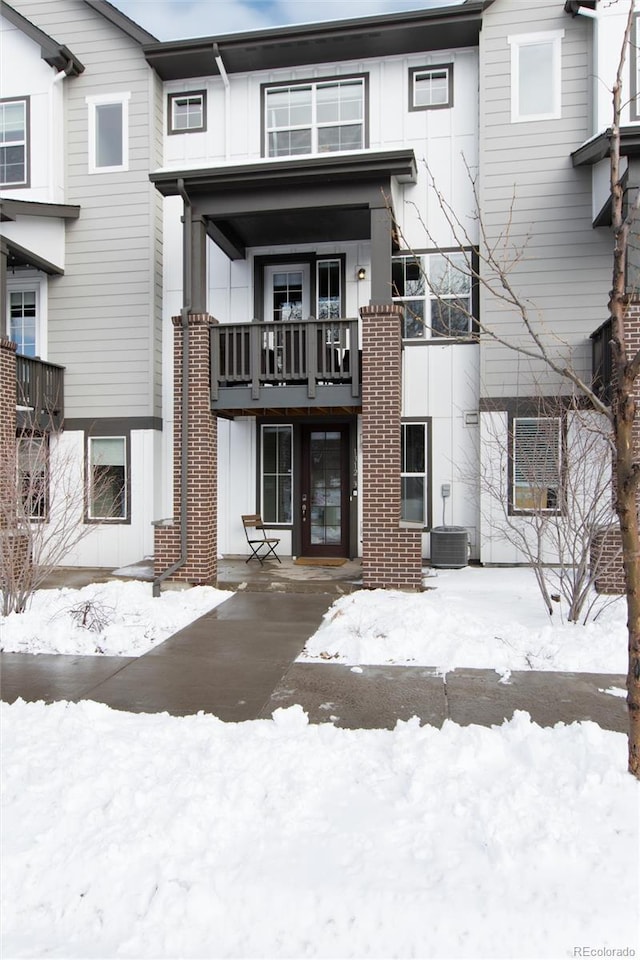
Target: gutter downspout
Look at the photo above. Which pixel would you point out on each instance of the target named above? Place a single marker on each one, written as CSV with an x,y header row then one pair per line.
x,y
184,314
217,56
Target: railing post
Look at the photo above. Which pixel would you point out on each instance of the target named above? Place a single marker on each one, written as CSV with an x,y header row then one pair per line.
x,y
256,355
354,354
312,357
214,348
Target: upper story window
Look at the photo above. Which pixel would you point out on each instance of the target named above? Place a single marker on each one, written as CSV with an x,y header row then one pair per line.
x,y
536,76
187,112
431,88
14,142
108,132
322,116
23,321
435,291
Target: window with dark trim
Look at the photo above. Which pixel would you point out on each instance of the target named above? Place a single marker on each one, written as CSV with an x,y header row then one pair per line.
x,y
277,473
436,292
187,112
314,116
107,479
14,142
33,476
431,88
414,475
536,464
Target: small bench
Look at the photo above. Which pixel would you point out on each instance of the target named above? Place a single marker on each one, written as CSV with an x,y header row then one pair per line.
x,y
262,547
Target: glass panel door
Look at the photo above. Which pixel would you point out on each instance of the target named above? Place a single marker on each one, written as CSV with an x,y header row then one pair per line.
x,y
325,500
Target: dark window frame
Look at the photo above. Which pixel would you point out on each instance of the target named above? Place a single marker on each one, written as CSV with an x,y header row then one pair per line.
x,y
171,98
275,424
107,435
26,183
310,259
44,441
427,423
428,68
558,508
313,81
474,295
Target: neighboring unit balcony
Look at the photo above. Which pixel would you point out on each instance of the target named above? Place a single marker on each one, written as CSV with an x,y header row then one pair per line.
x,y
602,362
39,394
290,364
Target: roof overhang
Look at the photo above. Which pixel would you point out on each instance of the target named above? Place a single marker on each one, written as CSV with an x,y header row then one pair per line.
x,y
10,209
19,256
437,28
304,200
122,21
599,147
52,52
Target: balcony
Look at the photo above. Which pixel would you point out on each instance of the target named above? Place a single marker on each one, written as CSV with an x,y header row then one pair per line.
x,y
39,394
304,365
602,362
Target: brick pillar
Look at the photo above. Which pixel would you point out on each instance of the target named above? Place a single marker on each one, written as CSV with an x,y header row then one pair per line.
x,y
391,555
7,430
607,548
201,566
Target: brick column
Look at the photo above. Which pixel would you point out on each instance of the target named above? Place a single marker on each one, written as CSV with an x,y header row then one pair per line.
x,y
201,566
607,547
391,555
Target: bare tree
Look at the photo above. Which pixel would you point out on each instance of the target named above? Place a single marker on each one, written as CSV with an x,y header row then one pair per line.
x,y
42,513
492,263
552,510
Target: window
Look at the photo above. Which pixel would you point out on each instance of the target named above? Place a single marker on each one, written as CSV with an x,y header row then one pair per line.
x,y
414,473
277,459
108,133
535,76
23,317
536,463
107,478
14,143
431,88
187,112
33,476
314,117
435,293
329,289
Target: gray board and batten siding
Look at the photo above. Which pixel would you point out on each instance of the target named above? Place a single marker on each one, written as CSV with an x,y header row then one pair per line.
x,y
565,272
105,313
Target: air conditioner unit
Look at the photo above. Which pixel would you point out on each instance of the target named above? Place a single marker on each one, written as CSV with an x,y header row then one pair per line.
x,y
449,547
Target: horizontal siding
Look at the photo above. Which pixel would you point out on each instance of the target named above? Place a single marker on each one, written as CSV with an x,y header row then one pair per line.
x,y
565,269
104,313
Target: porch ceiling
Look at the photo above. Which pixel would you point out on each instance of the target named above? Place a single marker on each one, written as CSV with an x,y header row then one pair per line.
x,y
304,200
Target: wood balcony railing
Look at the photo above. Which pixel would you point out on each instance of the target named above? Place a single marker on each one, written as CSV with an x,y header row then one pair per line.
x,y
306,362
39,393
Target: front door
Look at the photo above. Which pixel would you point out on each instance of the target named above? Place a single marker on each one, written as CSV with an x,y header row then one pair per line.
x,y
324,495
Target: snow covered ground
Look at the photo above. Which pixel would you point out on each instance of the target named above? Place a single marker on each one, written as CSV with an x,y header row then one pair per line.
x,y
118,618
486,618
150,836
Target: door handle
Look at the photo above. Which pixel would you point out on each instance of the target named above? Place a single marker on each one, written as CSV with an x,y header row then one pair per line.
x,y
304,508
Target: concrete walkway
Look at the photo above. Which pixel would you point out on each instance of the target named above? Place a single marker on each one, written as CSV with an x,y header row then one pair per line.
x,y
238,662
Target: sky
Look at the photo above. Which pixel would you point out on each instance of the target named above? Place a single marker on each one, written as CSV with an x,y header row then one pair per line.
x,y
178,19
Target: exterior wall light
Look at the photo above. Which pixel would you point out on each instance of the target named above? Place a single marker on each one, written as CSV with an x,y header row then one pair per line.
x,y
361,273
